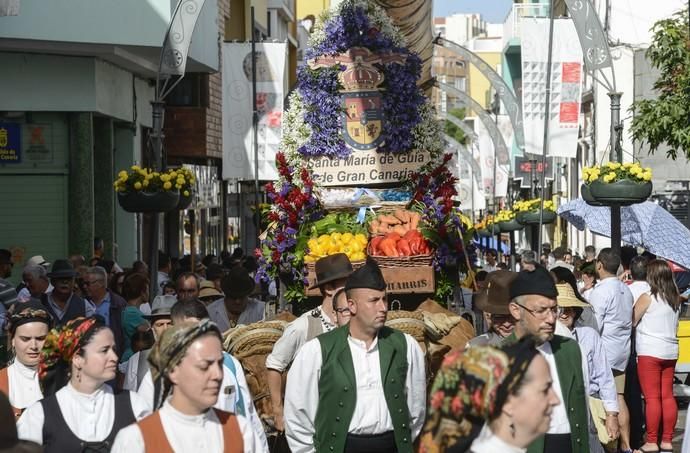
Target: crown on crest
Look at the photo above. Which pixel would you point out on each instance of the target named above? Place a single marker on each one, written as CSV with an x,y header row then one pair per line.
x,y
360,76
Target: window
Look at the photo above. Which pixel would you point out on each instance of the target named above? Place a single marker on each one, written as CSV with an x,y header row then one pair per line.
x,y
190,92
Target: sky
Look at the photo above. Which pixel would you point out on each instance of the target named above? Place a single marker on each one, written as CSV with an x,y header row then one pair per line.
x,y
491,10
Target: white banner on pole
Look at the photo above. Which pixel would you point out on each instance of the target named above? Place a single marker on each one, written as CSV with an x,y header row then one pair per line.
x,y
492,183
566,86
271,73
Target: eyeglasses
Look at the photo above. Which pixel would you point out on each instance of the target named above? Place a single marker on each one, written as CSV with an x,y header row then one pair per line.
x,y
543,312
89,283
342,310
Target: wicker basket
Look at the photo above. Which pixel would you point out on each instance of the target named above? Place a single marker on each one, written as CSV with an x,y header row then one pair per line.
x,y
257,338
311,267
401,261
410,322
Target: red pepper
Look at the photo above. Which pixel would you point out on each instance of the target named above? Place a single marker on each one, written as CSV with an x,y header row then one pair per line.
x,y
374,244
387,246
403,247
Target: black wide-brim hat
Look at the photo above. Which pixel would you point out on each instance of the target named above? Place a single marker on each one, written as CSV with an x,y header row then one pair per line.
x,y
237,283
62,269
331,268
494,297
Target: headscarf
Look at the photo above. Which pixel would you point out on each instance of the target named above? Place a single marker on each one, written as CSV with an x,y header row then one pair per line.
x,y
61,344
470,389
31,311
169,351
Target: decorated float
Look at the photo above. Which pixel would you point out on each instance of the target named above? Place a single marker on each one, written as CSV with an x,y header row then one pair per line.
x,y
362,168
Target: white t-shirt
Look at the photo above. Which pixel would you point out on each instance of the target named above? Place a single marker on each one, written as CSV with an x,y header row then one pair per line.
x,y
655,334
638,288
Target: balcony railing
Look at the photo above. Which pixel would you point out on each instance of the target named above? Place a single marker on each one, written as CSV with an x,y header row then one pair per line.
x,y
511,26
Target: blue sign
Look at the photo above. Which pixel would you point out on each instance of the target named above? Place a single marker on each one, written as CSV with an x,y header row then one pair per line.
x,y
10,143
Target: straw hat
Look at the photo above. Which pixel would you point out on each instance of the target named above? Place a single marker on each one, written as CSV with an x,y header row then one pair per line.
x,y
207,290
567,297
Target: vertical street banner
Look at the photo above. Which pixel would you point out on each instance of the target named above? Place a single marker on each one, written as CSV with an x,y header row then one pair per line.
x,y
494,181
566,86
238,137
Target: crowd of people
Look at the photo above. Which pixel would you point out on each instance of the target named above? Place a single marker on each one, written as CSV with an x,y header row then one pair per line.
x,y
96,366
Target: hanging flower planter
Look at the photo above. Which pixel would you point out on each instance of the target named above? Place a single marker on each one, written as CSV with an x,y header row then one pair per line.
x,y
145,190
528,211
148,201
532,217
510,225
614,183
587,196
624,192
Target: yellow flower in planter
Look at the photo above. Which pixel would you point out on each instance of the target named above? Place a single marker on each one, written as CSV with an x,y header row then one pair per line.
x,y
137,185
167,185
122,174
611,172
145,183
185,193
136,168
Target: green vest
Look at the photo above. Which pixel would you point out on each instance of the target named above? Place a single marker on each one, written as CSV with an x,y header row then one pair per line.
x,y
569,365
338,389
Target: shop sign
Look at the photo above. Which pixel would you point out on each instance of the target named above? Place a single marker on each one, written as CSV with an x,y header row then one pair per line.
x,y
38,143
10,143
367,168
399,280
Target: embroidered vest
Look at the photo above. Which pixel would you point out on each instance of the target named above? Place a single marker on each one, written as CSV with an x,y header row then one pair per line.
x,y
5,388
59,438
338,389
155,440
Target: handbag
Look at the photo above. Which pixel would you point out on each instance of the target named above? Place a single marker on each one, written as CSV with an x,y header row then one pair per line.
x,y
596,408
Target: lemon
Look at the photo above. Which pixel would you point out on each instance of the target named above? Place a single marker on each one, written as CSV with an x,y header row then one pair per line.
x,y
324,238
361,238
355,246
312,243
358,256
336,236
316,251
347,237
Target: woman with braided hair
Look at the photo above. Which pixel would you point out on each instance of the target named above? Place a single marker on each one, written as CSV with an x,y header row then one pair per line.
x,y
28,328
187,369
489,400
79,412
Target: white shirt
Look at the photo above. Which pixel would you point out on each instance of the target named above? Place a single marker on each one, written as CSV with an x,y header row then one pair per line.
x,y
638,288
24,295
187,433
24,387
612,302
255,311
371,415
587,293
655,335
163,278
89,417
559,417
293,338
487,442
227,399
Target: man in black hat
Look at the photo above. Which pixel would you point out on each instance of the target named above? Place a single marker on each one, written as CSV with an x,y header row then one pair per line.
x,y
236,307
62,304
533,304
493,299
360,387
331,273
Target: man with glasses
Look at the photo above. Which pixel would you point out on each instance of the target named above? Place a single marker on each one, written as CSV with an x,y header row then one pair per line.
x,y
493,299
612,303
341,307
107,304
62,304
331,273
534,307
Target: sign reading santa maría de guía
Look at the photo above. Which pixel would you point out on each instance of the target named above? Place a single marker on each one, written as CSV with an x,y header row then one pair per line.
x,y
367,167
363,121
